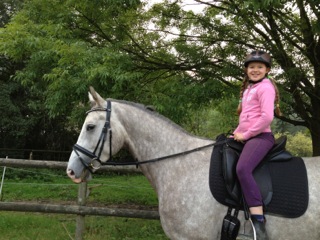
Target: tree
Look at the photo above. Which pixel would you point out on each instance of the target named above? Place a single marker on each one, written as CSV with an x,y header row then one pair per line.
x,y
13,125
89,43
177,60
290,30
24,120
229,29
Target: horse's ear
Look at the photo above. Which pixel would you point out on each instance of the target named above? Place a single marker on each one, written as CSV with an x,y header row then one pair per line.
x,y
92,101
95,99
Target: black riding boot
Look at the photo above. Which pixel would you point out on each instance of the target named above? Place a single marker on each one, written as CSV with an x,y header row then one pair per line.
x,y
260,229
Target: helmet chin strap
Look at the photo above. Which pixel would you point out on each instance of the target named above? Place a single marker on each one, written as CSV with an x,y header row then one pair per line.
x,y
255,82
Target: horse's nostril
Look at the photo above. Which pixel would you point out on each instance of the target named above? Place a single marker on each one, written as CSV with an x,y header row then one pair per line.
x,y
70,172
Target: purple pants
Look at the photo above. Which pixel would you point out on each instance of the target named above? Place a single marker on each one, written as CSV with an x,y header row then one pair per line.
x,y
255,149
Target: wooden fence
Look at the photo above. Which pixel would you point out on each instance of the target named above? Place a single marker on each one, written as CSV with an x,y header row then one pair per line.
x,y
81,210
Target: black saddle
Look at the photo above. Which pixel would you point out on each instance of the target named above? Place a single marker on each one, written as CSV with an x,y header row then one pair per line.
x,y
282,178
231,152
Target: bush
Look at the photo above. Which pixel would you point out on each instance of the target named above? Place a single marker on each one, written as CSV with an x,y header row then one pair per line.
x,y
299,144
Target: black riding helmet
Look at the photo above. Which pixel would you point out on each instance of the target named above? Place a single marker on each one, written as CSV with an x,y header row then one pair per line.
x,y
258,56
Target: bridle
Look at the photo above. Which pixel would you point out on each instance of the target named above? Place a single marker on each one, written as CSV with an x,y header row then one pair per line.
x,y
96,162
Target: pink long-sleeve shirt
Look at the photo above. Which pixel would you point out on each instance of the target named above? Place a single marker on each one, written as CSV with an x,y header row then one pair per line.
x,y
257,109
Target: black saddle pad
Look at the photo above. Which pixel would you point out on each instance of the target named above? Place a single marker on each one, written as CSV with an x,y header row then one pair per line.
x,y
289,181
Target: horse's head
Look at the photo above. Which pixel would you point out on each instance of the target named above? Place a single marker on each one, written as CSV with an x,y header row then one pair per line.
x,y
95,144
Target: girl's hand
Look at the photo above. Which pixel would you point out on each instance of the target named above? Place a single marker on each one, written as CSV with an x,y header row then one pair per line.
x,y
239,137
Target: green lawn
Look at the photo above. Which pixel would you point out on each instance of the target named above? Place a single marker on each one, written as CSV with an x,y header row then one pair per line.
x,y
34,226
103,189
54,187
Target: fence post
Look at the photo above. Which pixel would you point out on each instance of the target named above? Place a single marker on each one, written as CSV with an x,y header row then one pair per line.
x,y
82,195
2,181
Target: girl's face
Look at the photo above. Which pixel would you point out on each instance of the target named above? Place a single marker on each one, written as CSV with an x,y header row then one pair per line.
x,y
257,71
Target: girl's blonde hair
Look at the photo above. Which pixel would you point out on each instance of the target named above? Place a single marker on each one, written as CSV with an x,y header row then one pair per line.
x,y
245,84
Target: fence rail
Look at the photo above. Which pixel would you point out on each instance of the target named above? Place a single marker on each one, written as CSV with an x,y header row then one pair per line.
x,y
25,163
80,210
34,154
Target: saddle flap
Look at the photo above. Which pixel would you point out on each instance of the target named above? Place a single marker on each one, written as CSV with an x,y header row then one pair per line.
x,y
229,164
261,174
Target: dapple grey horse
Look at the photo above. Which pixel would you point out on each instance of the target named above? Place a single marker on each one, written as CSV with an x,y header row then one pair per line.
x,y
186,206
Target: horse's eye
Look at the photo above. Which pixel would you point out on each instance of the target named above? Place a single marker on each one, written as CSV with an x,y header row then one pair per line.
x,y
90,127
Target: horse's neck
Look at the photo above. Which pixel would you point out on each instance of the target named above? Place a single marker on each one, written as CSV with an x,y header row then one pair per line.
x,y
149,136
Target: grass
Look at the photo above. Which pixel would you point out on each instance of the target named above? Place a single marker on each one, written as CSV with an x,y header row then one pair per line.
x,y
26,226
111,189
54,187
33,226
123,228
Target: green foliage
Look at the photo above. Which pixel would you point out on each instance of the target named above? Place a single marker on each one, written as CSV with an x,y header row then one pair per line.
x,y
218,117
15,123
68,60
164,56
74,69
263,4
298,144
7,9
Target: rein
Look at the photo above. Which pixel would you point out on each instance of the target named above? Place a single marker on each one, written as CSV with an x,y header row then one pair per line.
x,y
96,162
137,163
160,158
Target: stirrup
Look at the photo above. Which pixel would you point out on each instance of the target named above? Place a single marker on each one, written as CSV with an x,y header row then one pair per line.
x,y
230,225
259,229
253,230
